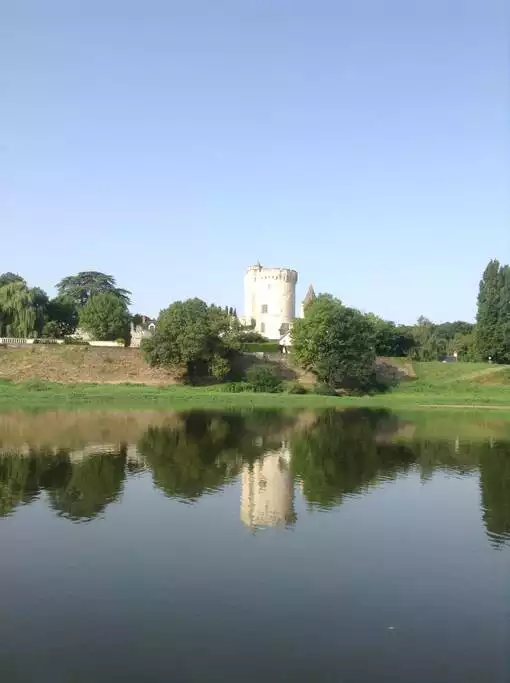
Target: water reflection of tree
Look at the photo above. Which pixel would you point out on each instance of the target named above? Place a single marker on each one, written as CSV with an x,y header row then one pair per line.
x,y
333,454
345,452
495,488
77,490
206,449
81,491
21,475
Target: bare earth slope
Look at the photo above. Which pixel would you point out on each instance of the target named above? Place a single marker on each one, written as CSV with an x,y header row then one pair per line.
x,y
70,364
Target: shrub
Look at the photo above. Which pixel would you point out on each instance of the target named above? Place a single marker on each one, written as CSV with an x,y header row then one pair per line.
x,y
237,387
72,341
252,336
36,384
296,388
264,379
324,390
261,347
219,367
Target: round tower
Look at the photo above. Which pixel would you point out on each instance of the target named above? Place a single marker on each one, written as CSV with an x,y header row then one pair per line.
x,y
270,299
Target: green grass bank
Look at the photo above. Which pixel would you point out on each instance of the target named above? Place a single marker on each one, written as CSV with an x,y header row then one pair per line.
x,y
468,386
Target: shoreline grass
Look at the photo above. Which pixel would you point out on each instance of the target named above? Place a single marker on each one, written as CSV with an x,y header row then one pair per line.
x,y
36,395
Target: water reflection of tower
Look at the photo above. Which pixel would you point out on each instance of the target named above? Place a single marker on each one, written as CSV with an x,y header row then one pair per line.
x,y
267,490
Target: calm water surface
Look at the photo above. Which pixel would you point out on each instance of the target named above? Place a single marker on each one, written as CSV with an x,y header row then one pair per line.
x,y
344,547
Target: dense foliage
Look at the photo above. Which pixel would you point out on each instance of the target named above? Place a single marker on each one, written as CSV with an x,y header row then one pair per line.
x,y
194,339
263,378
493,318
336,343
105,317
86,284
29,312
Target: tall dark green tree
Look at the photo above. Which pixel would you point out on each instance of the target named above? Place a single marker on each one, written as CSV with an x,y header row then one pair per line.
x,y
504,314
82,286
62,317
489,323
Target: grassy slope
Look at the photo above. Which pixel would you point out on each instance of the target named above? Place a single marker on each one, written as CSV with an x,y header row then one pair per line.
x,y
436,384
456,384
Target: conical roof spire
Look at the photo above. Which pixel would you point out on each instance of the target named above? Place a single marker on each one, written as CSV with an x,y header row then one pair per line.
x,y
310,296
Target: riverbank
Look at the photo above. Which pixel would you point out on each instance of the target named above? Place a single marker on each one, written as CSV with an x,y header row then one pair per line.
x,y
76,378
38,395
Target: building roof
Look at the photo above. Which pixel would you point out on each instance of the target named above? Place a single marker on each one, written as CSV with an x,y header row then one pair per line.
x,y
309,296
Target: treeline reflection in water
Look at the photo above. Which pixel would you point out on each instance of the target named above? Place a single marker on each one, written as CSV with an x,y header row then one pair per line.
x,y
328,455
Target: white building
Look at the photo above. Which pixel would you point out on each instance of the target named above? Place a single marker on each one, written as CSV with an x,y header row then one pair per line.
x,y
270,299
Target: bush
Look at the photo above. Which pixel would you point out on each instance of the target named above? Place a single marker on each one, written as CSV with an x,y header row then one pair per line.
x,y
261,347
252,336
219,367
237,387
264,379
324,390
296,388
72,341
36,384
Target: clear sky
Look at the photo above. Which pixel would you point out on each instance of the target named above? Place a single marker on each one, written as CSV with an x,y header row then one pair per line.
x,y
365,143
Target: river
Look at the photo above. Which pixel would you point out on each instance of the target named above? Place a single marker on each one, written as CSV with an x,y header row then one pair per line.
x,y
327,546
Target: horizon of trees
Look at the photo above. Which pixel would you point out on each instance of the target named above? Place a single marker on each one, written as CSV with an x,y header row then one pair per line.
x,y
27,311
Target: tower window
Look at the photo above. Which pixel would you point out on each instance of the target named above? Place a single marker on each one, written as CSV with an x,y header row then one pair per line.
x,y
263,308
262,328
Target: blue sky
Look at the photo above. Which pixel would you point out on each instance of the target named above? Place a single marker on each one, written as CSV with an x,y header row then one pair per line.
x,y
173,143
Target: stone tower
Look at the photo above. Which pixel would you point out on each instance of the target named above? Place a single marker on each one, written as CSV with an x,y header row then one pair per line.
x,y
270,299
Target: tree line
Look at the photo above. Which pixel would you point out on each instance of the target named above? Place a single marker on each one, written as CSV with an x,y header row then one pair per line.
x,y
88,300
332,339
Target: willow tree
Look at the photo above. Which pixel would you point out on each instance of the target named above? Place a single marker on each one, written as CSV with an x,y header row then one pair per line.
x,y
18,309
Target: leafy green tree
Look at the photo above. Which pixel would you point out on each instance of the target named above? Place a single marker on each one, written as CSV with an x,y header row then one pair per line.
x,y
336,343
62,317
81,287
489,331
8,278
504,315
18,312
193,338
464,345
105,317
390,339
263,378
